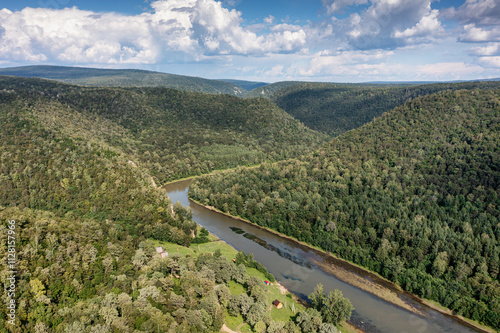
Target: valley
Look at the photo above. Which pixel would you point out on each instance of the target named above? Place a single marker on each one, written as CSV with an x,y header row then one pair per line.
x,y
396,179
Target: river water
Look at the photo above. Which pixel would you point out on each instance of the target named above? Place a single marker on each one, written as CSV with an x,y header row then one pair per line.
x,y
296,267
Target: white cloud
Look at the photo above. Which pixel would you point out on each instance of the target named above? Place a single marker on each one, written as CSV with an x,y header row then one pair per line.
x,y
336,6
480,21
473,34
428,25
220,31
286,27
190,29
373,43
485,12
488,50
344,63
393,23
275,71
447,71
270,19
76,36
490,61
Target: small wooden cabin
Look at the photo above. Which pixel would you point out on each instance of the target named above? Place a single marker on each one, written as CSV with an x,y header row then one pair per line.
x,y
277,304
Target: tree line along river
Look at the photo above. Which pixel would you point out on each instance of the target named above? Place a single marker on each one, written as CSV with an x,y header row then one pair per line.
x,y
300,269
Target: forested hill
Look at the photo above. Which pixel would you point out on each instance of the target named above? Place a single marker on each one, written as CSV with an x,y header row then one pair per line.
x,y
173,134
335,108
83,222
126,78
78,215
413,195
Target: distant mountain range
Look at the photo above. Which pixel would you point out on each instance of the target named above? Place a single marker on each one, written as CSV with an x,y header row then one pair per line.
x,y
331,108
144,78
132,77
248,85
335,108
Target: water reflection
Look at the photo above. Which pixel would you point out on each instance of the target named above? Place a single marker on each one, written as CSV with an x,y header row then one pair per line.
x,y
281,253
300,269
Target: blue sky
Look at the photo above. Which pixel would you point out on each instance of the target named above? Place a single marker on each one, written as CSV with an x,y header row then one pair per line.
x,y
274,40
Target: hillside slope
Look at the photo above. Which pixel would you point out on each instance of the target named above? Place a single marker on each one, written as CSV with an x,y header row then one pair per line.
x,y
413,195
125,78
83,224
336,108
83,217
173,134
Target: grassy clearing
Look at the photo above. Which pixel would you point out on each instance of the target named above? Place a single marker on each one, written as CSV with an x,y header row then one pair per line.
x,y
233,322
236,288
274,292
174,248
348,328
237,324
214,244
290,306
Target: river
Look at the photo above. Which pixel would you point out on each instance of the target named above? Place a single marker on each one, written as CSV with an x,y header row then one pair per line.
x,y
298,268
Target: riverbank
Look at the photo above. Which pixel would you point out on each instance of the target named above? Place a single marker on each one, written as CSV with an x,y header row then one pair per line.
x,y
365,279
279,291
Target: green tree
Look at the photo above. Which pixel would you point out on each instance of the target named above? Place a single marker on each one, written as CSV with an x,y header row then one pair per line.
x,y
327,328
256,313
317,297
336,308
245,303
309,320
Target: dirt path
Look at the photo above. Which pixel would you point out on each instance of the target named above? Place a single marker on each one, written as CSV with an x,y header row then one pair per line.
x,y
153,182
282,289
227,329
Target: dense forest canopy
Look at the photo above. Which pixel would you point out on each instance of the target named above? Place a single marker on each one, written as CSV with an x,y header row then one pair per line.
x,y
83,216
88,221
172,133
335,108
82,276
89,217
413,195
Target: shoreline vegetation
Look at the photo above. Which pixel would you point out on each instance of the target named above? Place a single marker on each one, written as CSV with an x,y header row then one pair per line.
x,y
346,326
356,275
370,282
210,173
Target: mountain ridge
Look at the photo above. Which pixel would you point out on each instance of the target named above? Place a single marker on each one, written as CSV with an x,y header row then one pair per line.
x,y
124,78
173,133
412,195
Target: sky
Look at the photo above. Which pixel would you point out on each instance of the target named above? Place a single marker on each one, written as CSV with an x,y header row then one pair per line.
x,y
260,40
